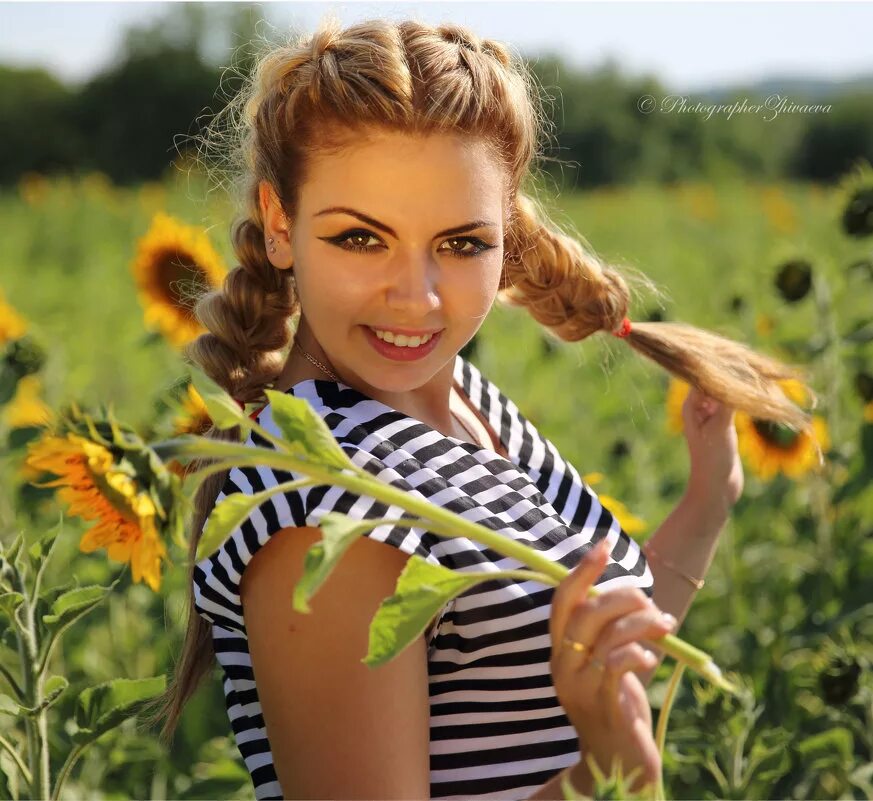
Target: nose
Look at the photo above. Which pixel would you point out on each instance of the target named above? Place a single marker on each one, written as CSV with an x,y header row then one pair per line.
x,y
412,290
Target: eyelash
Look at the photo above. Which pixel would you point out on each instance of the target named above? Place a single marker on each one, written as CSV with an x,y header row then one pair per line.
x,y
337,240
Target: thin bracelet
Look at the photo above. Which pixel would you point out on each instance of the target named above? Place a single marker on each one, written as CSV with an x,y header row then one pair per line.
x,y
650,551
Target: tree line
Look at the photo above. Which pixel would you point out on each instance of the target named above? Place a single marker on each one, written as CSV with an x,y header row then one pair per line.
x,y
142,112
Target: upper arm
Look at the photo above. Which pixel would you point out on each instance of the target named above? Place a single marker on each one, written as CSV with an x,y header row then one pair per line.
x,y
337,728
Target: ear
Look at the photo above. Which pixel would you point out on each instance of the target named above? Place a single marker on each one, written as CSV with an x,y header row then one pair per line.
x,y
275,226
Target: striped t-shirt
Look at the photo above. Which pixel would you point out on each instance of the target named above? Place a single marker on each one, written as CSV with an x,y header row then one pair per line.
x,y
497,729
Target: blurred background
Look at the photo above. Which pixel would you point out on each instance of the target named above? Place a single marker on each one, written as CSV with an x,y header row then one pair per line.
x,y
723,149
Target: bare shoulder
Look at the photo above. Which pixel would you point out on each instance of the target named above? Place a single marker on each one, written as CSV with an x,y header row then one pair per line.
x,y
322,706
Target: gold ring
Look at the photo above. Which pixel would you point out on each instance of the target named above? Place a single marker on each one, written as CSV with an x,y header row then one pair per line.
x,y
576,646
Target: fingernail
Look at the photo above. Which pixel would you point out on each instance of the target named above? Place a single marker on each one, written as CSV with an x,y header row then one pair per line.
x,y
669,620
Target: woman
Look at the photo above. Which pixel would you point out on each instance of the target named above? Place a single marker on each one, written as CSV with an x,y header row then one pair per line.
x,y
384,217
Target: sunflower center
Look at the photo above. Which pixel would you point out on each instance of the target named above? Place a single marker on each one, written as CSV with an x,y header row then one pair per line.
x,y
173,270
775,434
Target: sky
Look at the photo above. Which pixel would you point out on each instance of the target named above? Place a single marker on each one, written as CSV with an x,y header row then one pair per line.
x,y
686,45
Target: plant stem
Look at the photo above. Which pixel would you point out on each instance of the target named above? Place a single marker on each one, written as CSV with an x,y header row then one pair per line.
x,y
661,730
33,678
438,520
4,743
71,759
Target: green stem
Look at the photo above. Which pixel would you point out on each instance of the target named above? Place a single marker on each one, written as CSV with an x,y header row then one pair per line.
x,y
37,726
25,773
439,520
663,717
72,757
16,689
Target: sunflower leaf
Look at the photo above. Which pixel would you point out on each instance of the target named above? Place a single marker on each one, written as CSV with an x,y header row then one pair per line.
x,y
229,514
73,604
305,431
422,591
54,687
106,705
8,706
223,410
338,533
9,601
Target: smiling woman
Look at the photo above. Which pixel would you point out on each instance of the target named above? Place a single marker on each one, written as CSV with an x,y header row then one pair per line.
x,y
383,217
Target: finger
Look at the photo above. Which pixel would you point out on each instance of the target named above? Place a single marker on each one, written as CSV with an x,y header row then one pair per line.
x,y
628,658
588,620
574,588
644,624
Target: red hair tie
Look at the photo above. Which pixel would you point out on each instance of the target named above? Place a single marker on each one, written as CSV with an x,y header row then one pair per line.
x,y
254,414
624,330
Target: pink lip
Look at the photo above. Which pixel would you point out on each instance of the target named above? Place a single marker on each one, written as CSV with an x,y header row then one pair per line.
x,y
401,354
407,331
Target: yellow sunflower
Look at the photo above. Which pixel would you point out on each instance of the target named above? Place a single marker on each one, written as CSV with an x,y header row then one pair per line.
x,y
769,448
630,524
26,408
170,257
192,419
676,394
778,209
12,324
96,488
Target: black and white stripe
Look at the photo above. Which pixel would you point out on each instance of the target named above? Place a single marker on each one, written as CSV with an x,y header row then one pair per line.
x,y
497,729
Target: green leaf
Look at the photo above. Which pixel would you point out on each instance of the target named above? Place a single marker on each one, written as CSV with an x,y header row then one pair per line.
x,y
74,604
53,689
338,533
11,553
105,706
223,410
8,706
305,431
9,602
42,546
828,749
232,511
422,590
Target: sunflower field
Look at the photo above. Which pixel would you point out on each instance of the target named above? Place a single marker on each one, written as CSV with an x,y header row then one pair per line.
x,y
96,288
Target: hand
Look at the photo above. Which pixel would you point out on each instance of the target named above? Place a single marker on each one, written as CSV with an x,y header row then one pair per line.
x,y
716,470
608,707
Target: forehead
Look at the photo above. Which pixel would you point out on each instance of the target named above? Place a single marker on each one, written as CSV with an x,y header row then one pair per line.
x,y
407,171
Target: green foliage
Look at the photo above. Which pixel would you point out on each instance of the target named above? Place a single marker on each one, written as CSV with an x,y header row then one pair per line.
x,y
786,603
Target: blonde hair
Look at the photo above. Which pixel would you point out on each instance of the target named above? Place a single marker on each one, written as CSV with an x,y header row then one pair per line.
x,y
312,96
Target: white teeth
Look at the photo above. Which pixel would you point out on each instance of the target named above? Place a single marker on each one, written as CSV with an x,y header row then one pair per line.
x,y
401,340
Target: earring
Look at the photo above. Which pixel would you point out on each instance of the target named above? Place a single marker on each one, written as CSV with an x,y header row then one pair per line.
x,y
272,246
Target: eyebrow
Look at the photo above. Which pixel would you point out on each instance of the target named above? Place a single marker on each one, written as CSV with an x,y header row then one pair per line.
x,y
458,229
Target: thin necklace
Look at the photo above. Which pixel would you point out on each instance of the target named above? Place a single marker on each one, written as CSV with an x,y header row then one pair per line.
x,y
315,361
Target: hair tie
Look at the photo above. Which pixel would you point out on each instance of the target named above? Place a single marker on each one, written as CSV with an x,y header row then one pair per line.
x,y
254,414
624,330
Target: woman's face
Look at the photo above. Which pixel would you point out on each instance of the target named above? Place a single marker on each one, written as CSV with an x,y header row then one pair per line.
x,y
427,215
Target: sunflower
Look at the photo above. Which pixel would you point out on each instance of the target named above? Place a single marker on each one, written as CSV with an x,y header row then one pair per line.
x,y
778,210
120,483
630,524
172,253
96,490
856,193
26,408
193,418
794,280
12,324
769,448
676,394
33,188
